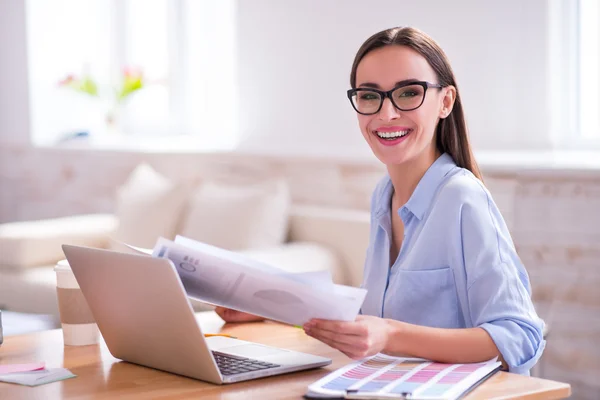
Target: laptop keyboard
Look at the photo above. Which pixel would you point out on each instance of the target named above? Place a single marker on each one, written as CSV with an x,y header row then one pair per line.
x,y
231,365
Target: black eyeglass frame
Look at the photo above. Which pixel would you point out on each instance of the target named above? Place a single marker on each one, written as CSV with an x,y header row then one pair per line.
x,y
424,84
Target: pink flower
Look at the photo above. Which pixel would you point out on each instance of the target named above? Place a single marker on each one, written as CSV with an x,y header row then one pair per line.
x,y
66,81
132,72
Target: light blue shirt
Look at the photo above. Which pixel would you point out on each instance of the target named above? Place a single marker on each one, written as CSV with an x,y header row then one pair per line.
x,y
457,267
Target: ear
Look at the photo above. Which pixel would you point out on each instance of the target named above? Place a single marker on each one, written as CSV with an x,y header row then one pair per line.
x,y
448,98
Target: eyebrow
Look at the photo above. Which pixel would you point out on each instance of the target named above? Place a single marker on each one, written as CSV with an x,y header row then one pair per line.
x,y
399,83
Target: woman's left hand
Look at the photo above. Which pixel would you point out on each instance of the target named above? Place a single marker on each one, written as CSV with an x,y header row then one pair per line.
x,y
363,337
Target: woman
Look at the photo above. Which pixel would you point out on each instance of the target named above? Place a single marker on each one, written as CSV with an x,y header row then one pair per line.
x,y
444,281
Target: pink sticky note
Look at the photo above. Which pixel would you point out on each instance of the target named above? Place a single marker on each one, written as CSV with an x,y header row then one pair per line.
x,y
9,368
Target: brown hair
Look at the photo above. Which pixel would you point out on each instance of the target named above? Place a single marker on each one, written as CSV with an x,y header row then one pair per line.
x,y
451,132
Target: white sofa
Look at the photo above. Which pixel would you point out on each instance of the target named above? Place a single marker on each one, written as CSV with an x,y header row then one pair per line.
x,y
318,238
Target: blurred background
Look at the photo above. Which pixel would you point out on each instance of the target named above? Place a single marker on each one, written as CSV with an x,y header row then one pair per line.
x,y
245,91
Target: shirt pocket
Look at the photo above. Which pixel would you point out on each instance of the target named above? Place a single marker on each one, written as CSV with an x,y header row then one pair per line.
x,y
424,297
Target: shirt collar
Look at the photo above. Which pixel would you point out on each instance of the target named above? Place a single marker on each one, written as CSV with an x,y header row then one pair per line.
x,y
423,194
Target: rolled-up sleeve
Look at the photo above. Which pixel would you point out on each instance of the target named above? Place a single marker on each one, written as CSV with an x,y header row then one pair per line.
x,y
500,304
498,289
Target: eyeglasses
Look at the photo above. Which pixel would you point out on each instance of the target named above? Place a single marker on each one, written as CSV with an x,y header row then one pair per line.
x,y
406,97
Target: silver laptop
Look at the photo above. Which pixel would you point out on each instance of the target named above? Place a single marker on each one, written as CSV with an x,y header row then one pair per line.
x,y
145,317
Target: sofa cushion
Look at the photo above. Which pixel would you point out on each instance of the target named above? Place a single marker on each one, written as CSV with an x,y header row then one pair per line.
x,y
238,216
148,206
31,243
31,290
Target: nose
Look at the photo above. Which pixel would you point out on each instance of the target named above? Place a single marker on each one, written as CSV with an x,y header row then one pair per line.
x,y
388,111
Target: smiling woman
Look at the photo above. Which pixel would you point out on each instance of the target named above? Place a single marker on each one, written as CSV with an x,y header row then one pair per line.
x,y
443,278
427,93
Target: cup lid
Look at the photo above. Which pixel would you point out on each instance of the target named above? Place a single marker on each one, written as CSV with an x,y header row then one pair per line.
x,y
62,265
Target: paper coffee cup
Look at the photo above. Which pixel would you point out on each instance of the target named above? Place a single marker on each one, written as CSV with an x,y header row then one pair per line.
x,y
78,324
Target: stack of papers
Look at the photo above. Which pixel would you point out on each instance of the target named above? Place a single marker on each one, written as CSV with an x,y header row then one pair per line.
x,y
228,279
32,374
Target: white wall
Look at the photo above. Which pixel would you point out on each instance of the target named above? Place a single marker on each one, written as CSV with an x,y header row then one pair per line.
x,y
14,93
290,50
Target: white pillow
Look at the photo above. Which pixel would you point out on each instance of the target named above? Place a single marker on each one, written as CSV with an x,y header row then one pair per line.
x,y
148,206
238,216
35,243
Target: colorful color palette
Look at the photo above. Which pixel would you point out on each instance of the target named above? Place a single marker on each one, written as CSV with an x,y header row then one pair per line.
x,y
387,376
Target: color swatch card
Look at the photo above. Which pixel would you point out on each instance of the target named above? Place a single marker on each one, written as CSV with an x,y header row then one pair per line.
x,y
10,368
383,376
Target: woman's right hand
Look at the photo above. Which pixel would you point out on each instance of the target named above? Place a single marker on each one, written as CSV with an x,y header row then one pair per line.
x,y
229,315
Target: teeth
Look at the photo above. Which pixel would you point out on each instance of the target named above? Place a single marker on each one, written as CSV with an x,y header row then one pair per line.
x,y
391,135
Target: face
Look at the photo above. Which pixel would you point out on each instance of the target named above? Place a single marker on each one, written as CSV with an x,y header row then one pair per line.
x,y
395,136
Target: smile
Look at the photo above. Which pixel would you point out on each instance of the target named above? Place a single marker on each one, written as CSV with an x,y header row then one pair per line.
x,y
392,135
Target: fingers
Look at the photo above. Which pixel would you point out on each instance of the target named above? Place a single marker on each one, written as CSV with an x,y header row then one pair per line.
x,y
355,351
343,327
221,312
351,338
229,315
335,337
344,348
354,346
245,317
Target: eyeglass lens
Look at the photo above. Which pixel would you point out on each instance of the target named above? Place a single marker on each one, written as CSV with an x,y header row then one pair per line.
x,y
405,98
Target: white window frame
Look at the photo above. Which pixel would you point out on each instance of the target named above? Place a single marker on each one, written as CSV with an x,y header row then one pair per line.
x,y
200,81
569,75
176,62
589,70
185,135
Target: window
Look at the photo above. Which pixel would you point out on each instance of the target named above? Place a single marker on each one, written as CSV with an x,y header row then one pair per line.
x,y
574,50
589,69
145,36
185,50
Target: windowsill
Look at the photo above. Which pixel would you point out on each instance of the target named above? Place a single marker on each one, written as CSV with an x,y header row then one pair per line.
x,y
504,161
142,144
539,161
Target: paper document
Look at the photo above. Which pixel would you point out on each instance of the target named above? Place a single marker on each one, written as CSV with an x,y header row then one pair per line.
x,y
128,248
37,377
229,279
321,278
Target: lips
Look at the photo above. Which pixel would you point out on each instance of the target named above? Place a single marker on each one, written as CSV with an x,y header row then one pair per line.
x,y
392,134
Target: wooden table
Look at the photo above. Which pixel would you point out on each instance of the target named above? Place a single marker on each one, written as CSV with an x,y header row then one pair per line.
x,y
101,376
